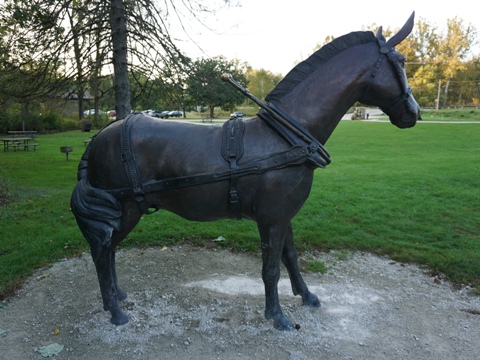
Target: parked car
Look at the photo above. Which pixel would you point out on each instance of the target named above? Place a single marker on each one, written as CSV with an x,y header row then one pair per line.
x,y
164,114
91,112
112,114
155,113
175,113
237,114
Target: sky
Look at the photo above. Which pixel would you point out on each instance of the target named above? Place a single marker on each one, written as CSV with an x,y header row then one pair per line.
x,y
275,34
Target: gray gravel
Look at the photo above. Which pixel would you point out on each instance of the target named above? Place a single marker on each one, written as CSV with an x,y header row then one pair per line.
x,y
191,303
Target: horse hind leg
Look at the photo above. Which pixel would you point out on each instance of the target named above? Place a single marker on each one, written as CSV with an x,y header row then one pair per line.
x,y
289,259
105,266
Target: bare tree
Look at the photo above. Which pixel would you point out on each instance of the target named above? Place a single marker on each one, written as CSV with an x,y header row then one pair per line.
x,y
74,40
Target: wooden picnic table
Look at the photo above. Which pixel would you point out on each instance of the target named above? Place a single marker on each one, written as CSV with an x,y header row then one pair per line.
x,y
22,133
18,143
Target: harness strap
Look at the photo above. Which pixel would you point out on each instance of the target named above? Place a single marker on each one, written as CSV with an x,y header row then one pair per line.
x,y
128,159
318,156
234,129
301,152
296,155
372,77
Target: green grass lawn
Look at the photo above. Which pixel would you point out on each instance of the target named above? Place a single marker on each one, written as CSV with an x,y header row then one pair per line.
x,y
411,194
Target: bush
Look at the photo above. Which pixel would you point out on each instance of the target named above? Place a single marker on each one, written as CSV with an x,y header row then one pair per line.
x,y
66,124
10,120
43,122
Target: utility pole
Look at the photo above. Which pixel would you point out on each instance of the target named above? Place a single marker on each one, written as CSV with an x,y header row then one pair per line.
x,y
438,96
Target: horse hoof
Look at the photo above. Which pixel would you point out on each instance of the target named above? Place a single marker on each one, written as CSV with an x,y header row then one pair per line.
x,y
311,300
119,318
283,324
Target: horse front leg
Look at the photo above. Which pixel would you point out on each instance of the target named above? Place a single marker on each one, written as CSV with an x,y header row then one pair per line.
x,y
105,266
289,258
273,238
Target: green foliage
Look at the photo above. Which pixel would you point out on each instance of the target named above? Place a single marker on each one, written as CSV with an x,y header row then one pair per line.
x,y
261,82
435,55
10,119
410,194
205,86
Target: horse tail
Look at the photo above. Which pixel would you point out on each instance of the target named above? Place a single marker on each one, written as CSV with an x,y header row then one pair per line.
x,y
97,212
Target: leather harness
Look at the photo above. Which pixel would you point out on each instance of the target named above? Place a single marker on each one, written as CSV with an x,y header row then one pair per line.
x,y
303,150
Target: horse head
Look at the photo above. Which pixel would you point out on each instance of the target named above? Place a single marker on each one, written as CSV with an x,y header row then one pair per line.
x,y
397,100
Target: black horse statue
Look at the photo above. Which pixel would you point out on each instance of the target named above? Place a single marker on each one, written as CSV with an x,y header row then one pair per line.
x,y
259,169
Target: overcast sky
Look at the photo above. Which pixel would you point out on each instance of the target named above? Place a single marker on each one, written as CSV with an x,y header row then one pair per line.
x,y
275,35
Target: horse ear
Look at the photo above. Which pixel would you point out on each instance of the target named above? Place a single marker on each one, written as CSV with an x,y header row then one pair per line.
x,y
379,34
403,33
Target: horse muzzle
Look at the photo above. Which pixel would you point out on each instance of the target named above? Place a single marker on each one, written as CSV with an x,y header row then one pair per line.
x,y
405,112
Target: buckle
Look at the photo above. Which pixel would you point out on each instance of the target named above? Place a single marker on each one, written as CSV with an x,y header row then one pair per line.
x,y
233,196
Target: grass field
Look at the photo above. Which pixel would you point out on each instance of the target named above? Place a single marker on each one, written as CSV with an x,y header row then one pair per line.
x,y
411,194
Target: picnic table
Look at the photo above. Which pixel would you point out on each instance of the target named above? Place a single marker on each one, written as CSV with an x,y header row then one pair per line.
x,y
23,143
31,133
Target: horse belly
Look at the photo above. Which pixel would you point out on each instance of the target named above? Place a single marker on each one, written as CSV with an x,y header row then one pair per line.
x,y
270,197
206,202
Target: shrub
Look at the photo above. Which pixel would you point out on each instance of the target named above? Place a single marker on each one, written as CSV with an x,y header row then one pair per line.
x,y
66,124
43,122
10,119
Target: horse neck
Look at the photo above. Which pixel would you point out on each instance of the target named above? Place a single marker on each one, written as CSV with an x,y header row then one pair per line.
x,y
319,108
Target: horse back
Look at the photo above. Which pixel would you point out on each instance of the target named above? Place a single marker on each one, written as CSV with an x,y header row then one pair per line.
x,y
166,149
161,148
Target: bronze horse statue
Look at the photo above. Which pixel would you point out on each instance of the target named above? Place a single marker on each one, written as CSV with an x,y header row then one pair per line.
x,y
259,169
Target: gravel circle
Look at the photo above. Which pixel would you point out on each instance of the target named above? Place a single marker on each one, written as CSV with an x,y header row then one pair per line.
x,y
187,302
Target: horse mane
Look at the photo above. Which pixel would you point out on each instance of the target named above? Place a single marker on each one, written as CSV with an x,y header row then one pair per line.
x,y
321,56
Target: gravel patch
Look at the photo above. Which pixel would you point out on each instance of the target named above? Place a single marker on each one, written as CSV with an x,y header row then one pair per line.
x,y
187,302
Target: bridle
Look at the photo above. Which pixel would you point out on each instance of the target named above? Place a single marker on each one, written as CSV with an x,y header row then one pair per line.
x,y
388,52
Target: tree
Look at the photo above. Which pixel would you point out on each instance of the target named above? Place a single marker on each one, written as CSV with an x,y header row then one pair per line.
x,y
25,77
135,34
56,35
261,82
205,86
435,57
454,48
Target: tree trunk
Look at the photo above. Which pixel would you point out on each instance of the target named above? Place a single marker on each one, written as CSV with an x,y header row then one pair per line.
x,y
211,108
80,89
80,94
120,65
446,94
24,110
